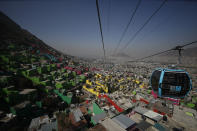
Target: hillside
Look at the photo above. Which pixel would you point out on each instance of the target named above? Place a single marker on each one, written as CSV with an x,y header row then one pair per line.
x,y
34,77
12,33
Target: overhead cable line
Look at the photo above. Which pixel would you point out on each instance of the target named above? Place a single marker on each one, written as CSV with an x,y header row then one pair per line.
x,y
179,48
148,20
99,18
125,30
108,16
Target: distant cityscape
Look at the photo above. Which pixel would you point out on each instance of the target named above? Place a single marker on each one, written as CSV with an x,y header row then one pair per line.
x,y
43,89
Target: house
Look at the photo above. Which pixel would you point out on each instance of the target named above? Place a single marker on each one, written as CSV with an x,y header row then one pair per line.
x,y
98,127
110,125
52,126
36,122
124,122
98,117
156,117
77,122
29,94
77,115
143,126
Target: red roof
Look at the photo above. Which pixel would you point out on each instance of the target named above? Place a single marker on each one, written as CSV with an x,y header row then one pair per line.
x,y
113,103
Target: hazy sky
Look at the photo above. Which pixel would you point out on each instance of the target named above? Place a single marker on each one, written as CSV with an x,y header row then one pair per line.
x,y
71,26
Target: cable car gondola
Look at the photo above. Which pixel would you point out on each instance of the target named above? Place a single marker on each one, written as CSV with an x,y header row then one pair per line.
x,y
170,83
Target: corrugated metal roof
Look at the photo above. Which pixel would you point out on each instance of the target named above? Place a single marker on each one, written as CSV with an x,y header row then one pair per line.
x,y
98,117
111,125
49,126
124,121
148,113
34,123
140,110
151,114
77,114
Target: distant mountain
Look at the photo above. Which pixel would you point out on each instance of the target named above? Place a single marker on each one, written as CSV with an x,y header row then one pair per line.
x,y
188,52
189,56
10,32
121,54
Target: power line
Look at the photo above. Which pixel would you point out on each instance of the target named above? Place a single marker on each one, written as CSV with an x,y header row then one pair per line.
x,y
125,30
108,21
98,12
148,20
108,16
175,48
188,44
154,55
